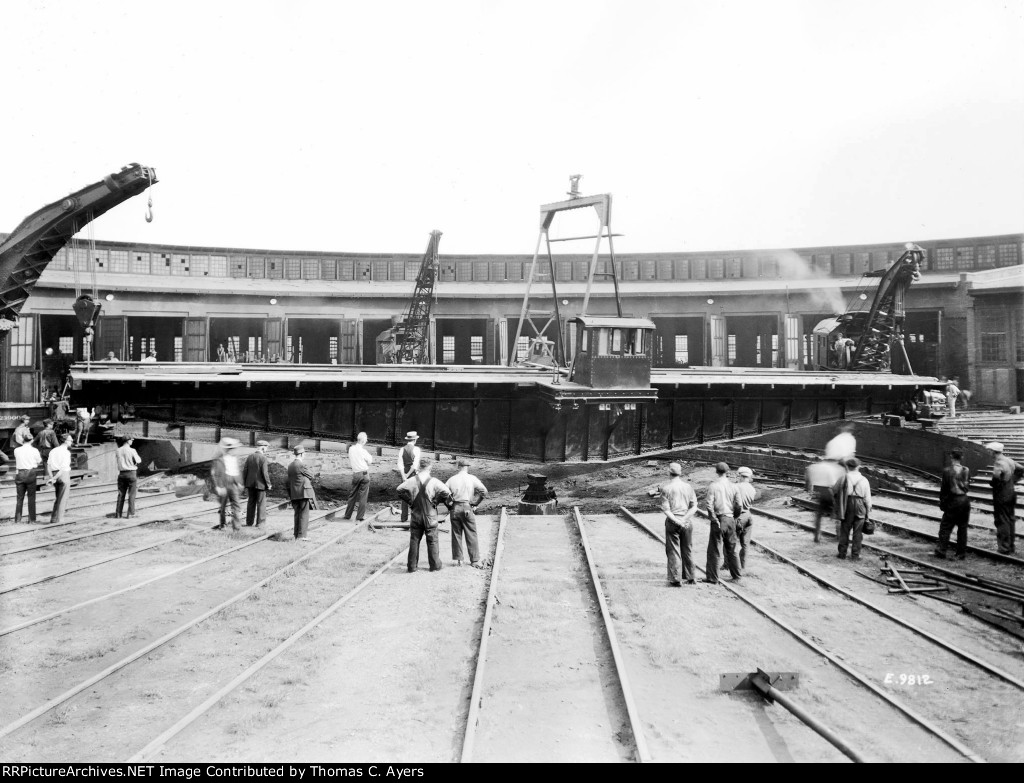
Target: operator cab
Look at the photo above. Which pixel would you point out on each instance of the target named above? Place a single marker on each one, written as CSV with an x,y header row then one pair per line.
x,y
612,352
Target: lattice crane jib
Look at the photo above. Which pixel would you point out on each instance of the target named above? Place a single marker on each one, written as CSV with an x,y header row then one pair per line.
x,y
27,251
883,326
412,333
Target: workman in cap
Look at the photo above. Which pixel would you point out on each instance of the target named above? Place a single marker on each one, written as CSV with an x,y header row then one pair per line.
x,y
46,440
467,492
423,492
227,481
300,490
852,495
745,496
679,502
721,498
22,433
955,505
256,478
1005,473
408,460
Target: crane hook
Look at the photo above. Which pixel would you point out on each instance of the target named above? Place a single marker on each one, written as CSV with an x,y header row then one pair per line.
x,y
149,210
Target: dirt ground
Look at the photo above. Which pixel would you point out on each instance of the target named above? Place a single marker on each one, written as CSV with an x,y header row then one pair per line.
x,y
388,676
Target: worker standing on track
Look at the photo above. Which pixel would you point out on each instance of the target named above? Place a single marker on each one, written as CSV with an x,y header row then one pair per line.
x,y
256,478
360,460
853,506
423,492
467,492
955,505
679,503
128,461
27,460
58,464
227,479
745,496
300,491
1004,498
952,392
408,461
720,499
821,476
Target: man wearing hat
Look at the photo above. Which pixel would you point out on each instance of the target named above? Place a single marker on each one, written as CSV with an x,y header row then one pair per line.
x,y
720,499
360,460
1004,498
300,491
408,460
852,495
46,440
128,461
468,492
679,502
22,433
256,478
423,492
26,461
745,495
227,480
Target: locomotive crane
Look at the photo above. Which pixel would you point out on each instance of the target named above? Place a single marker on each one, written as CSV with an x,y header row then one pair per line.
x,y
408,341
864,339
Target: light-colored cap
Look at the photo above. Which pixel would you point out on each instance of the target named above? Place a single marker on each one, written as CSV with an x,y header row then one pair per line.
x,y
746,472
229,443
412,435
675,468
299,450
994,446
263,443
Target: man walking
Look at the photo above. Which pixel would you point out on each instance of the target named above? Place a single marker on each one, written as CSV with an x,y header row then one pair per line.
x,y
58,465
360,460
1004,498
853,507
745,496
423,492
227,478
955,506
408,462
256,478
843,445
679,502
128,462
720,499
820,477
26,462
467,493
300,491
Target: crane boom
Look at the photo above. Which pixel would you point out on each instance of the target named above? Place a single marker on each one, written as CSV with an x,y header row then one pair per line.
x,y
27,251
408,341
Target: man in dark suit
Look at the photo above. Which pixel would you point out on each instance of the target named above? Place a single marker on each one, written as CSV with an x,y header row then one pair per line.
x,y
256,478
300,490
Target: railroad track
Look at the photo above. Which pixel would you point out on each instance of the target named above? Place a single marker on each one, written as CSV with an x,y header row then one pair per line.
x,y
842,660
102,692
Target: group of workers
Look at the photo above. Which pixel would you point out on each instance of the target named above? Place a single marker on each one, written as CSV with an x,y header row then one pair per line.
x,y
419,491
46,454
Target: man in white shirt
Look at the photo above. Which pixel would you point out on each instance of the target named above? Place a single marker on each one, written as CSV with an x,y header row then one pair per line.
x,y
468,492
679,502
720,499
227,480
423,492
408,461
151,356
83,423
360,460
843,446
27,460
58,465
128,462
821,476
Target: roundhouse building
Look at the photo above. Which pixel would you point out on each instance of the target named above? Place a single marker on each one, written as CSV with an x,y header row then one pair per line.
x,y
743,308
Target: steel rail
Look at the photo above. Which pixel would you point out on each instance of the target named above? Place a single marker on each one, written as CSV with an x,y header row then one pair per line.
x,y
47,526
171,635
643,753
157,744
931,517
970,658
93,534
58,612
476,696
920,720
47,490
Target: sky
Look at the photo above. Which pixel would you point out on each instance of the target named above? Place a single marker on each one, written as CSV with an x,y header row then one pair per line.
x,y
360,127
